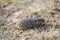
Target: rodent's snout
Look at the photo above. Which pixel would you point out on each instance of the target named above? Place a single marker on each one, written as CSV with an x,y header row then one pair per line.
x,y
39,22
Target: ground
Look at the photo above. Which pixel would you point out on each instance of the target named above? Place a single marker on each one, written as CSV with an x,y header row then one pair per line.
x,y
12,14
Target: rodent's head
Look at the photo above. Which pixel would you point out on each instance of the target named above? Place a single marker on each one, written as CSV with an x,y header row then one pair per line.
x,y
38,21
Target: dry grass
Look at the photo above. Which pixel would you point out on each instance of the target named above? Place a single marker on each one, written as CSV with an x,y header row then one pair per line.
x,y
16,12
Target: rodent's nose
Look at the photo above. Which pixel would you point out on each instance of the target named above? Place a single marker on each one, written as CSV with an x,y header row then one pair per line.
x,y
42,20
38,22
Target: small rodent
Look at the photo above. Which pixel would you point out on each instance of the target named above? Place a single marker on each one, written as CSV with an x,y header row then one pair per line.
x,y
31,22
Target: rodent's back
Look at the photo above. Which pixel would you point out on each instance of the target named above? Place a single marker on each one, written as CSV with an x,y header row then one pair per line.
x,y
26,23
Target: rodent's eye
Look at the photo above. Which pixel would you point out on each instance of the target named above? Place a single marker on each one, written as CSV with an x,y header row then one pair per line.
x,y
41,21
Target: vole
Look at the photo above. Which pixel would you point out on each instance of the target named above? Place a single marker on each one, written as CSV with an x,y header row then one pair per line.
x,y
33,22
